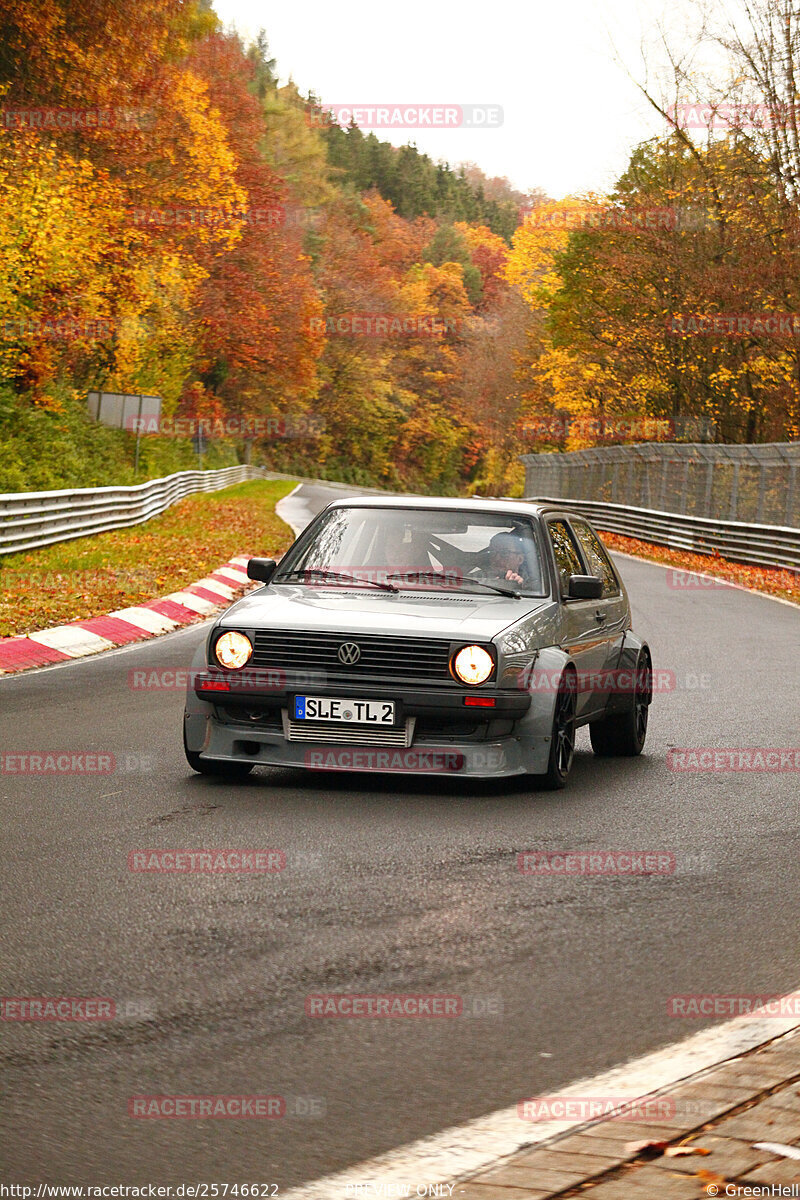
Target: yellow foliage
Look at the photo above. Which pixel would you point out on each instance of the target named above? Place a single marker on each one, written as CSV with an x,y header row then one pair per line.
x,y
543,235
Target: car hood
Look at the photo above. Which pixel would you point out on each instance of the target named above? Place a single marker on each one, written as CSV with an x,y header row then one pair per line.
x,y
451,614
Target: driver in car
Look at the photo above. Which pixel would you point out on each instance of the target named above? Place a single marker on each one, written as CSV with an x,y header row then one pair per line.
x,y
506,556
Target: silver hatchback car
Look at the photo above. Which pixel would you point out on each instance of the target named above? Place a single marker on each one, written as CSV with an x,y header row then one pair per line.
x,y
461,637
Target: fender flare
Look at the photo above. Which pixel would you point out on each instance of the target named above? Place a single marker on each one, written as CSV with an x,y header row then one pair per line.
x,y
554,661
632,647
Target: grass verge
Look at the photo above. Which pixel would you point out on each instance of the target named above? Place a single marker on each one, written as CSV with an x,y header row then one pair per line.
x,y
774,581
72,581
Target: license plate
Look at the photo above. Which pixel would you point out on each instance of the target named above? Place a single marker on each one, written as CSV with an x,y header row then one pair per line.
x,y
354,712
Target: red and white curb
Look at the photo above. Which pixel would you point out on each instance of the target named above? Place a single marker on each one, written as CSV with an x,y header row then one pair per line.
x,y
64,642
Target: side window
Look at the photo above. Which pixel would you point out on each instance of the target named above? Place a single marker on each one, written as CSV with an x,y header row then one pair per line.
x,y
596,557
567,558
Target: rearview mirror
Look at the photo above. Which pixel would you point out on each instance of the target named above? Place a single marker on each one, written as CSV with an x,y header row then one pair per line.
x,y
261,569
585,587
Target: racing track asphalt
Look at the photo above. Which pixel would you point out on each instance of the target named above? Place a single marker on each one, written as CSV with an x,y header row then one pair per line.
x,y
392,884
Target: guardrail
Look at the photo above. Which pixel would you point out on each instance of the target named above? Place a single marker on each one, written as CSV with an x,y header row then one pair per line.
x,y
32,519
761,545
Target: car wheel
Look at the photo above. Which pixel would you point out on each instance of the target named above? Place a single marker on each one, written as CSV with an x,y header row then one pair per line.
x,y
562,739
624,734
215,766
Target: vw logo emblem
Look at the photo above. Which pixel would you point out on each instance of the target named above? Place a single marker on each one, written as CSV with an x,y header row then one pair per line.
x,y
349,653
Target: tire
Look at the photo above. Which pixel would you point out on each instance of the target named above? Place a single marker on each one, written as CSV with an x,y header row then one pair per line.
x,y
217,767
562,738
623,735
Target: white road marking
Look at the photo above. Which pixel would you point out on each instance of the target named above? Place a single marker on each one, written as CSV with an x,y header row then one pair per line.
x,y
466,1149
779,1148
234,577
71,640
145,618
196,603
216,588
296,529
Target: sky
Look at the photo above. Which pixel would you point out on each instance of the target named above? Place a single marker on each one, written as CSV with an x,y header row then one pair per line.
x,y
559,70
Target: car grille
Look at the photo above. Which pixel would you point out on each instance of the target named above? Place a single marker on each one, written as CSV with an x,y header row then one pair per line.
x,y
424,660
347,735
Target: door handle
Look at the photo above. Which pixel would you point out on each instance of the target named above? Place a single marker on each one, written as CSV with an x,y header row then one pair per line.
x,y
600,616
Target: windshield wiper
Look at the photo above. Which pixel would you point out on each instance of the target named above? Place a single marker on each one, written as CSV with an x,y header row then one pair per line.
x,y
448,578
385,587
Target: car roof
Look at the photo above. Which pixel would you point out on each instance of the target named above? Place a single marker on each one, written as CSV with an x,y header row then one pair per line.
x,y
463,504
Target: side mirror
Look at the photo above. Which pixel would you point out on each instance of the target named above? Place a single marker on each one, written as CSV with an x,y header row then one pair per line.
x,y
585,587
261,569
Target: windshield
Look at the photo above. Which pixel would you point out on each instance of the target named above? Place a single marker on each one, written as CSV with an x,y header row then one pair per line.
x,y
421,549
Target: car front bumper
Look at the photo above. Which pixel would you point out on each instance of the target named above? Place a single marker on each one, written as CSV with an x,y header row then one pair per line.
x,y
510,738
485,760
247,722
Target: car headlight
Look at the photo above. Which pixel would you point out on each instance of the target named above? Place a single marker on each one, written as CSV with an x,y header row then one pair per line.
x,y
233,649
473,664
